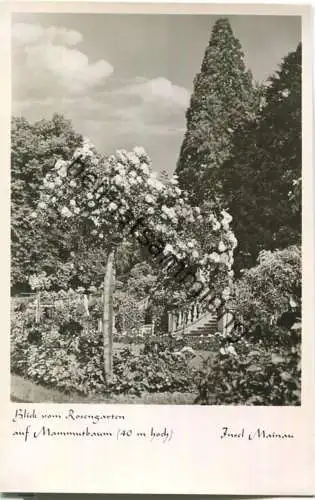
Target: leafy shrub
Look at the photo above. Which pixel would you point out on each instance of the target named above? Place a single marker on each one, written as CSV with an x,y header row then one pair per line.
x,y
66,363
128,316
128,339
74,362
259,363
269,291
251,374
164,371
19,344
63,351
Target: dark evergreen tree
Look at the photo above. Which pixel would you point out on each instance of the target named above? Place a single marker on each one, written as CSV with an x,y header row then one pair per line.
x,y
261,178
223,97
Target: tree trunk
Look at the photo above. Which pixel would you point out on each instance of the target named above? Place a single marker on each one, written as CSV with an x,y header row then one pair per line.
x,y
109,281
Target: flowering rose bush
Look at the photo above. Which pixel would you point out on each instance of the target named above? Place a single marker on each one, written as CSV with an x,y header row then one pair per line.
x,y
39,281
111,195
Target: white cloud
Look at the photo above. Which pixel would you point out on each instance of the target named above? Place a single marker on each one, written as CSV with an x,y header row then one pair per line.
x,y
27,33
68,68
51,74
139,107
158,89
44,64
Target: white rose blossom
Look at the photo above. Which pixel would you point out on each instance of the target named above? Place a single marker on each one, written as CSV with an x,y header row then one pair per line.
x,y
145,169
134,160
216,225
149,199
168,249
66,212
227,216
118,180
112,206
221,247
139,151
62,172
59,164
215,257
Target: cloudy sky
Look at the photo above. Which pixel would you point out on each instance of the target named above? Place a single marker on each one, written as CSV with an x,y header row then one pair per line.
x,y
125,80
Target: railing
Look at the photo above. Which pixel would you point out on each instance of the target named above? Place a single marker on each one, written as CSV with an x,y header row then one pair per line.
x,y
183,319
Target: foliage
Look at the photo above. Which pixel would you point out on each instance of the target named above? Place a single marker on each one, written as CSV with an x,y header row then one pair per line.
x,y
131,297
223,97
129,317
63,354
129,203
34,149
249,374
162,371
40,281
260,362
262,178
295,195
57,358
66,353
269,293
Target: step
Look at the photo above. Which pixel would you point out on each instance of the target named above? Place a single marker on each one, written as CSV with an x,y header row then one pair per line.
x,y
197,331
207,324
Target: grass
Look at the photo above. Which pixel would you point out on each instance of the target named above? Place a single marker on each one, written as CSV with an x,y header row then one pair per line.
x,y
26,391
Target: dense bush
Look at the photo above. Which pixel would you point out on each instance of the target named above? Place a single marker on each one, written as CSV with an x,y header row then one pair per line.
x,y
260,362
240,372
60,357
51,355
150,371
269,294
163,341
249,374
129,317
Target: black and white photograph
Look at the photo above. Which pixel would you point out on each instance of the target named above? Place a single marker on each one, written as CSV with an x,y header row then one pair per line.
x,y
156,193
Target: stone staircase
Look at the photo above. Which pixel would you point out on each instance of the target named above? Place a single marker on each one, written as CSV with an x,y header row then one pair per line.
x,y
196,321
207,327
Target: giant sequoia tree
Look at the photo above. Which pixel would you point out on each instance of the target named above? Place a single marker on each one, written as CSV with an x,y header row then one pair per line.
x,y
261,179
223,97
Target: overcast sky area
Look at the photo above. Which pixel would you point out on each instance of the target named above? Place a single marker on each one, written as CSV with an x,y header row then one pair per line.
x,y
125,80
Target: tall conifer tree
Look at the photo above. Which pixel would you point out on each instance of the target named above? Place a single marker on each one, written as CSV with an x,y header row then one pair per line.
x,y
223,96
261,178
